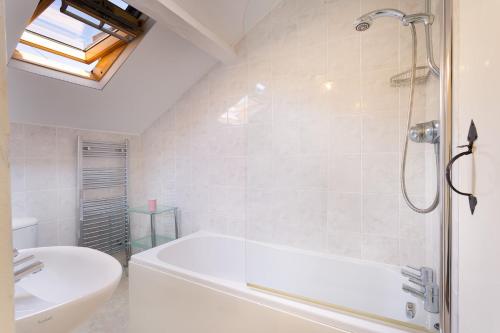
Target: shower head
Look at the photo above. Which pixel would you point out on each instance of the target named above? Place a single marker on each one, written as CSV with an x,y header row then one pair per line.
x,y
362,26
364,22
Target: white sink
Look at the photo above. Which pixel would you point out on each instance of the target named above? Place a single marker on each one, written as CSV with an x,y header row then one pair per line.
x,y
72,284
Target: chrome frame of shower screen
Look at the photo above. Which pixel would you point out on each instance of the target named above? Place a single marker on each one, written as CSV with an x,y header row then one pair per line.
x,y
446,300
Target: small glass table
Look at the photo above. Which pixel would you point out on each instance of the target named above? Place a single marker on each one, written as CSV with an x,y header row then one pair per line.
x,y
154,239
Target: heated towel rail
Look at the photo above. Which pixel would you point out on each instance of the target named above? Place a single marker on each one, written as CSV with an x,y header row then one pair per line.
x,y
103,193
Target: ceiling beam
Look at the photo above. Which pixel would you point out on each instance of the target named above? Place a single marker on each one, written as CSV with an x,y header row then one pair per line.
x,y
173,16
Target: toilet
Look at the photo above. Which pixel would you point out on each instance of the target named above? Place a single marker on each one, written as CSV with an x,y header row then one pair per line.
x,y
25,232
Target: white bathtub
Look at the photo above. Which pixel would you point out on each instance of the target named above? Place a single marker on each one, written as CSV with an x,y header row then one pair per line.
x,y
199,284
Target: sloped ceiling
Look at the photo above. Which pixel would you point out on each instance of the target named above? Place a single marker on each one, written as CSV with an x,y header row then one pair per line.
x,y
157,73
230,19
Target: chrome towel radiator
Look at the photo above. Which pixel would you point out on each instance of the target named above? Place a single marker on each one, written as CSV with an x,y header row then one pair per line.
x,y
103,194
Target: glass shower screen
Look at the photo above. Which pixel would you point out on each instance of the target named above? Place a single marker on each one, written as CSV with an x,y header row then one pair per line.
x,y
326,224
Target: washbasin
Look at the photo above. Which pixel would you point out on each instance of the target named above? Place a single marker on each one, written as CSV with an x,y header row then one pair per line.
x,y
71,286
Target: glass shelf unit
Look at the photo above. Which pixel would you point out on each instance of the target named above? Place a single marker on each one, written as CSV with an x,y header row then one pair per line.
x,y
154,239
145,243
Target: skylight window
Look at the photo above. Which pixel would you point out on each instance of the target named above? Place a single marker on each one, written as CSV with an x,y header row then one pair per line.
x,y
79,37
53,61
120,4
57,26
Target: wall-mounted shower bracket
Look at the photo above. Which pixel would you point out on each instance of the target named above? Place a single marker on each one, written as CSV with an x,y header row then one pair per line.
x,y
471,137
428,43
424,18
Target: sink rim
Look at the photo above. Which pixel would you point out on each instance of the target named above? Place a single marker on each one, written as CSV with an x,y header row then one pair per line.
x,y
110,285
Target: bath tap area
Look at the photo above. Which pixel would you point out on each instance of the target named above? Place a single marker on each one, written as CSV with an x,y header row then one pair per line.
x,y
241,166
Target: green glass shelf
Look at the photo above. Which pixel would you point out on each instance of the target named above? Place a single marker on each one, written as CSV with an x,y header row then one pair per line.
x,y
144,243
145,210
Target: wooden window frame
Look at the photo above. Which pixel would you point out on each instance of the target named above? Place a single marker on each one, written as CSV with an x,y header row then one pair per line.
x,y
97,51
107,51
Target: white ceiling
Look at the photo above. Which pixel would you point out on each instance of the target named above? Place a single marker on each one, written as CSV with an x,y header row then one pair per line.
x,y
158,72
230,19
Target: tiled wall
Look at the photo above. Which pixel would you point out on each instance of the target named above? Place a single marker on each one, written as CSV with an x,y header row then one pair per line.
x,y
299,141
43,177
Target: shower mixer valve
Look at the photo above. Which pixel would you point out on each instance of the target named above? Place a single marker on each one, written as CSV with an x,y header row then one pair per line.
x,y
427,132
427,289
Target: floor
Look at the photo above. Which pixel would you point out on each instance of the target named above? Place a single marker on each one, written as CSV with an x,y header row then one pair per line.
x,y
113,316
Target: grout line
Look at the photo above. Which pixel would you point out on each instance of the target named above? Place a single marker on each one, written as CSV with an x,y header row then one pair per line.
x,y
76,128
362,120
329,136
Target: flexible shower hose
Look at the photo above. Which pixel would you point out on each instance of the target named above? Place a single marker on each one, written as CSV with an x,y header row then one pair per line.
x,y
406,197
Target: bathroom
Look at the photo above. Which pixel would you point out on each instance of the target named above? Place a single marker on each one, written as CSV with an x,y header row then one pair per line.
x,y
249,166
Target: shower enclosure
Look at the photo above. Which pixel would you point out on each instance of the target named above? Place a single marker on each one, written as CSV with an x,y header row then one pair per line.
x,y
343,156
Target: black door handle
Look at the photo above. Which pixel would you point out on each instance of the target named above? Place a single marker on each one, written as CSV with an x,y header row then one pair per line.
x,y
471,137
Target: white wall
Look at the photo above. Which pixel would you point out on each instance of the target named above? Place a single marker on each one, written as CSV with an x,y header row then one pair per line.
x,y
263,142
476,89
44,175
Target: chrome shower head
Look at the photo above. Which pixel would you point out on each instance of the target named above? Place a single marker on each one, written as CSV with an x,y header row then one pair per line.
x,y
362,26
364,22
